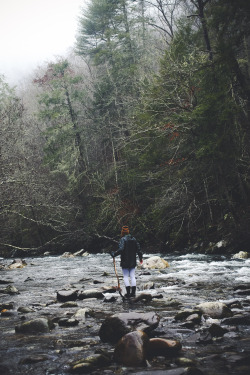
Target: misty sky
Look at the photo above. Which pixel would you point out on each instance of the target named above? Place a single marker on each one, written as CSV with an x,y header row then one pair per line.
x,y
33,32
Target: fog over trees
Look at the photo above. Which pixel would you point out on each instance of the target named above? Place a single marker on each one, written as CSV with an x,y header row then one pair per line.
x,y
145,125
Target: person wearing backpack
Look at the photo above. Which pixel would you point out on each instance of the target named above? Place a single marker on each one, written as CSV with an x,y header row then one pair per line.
x,y
128,249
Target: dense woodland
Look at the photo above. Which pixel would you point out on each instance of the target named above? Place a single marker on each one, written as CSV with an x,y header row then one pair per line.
x,y
146,123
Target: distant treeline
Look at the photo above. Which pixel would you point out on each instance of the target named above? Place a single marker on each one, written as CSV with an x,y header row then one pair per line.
x,y
146,124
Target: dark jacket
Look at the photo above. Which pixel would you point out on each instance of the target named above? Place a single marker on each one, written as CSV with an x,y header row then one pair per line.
x,y
128,248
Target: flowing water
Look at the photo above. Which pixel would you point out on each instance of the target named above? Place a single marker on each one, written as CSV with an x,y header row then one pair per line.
x,y
190,280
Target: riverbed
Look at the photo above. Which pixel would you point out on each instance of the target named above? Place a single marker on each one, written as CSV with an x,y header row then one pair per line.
x,y
190,280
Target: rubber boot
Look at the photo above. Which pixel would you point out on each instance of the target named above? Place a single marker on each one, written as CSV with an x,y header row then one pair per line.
x,y
127,295
133,291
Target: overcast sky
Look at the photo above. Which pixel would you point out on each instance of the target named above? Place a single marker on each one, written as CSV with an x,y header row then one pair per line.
x,y
33,32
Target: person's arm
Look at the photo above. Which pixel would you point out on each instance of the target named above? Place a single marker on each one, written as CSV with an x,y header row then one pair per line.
x,y
120,248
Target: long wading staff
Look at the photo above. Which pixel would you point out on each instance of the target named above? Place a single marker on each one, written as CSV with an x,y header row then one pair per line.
x,y
118,281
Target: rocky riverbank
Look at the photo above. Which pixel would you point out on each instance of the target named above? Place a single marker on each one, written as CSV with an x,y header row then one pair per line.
x,y
62,315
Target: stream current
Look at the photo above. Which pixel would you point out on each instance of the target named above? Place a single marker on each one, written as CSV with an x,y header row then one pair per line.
x,y
191,279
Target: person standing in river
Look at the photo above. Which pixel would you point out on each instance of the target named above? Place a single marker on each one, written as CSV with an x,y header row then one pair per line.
x,y
128,249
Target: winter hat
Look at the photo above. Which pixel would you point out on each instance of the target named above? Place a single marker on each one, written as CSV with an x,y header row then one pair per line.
x,y
125,230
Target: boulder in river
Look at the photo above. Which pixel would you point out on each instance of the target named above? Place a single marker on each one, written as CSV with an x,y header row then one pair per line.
x,y
241,255
17,263
132,349
91,293
36,326
67,254
155,262
216,310
10,289
163,347
67,295
116,326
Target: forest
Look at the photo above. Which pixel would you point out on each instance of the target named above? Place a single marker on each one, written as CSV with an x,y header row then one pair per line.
x,y
146,123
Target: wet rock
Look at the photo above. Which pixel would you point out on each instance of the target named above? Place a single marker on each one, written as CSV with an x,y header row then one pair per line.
x,y
116,326
183,315
17,263
33,359
109,298
24,310
132,349
67,254
233,303
148,285
91,293
155,262
81,252
65,322
163,347
243,292
203,337
69,304
88,364
243,319
242,286
67,295
241,255
8,306
216,330
10,289
194,319
8,313
81,314
143,297
215,309
112,329
5,282
36,326
187,362
141,321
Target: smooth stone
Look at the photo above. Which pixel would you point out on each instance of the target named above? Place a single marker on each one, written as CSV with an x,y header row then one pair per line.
x,y
215,309
132,349
35,326
164,347
67,295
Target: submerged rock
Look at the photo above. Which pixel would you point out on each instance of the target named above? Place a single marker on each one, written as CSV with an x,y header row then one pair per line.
x,y
132,349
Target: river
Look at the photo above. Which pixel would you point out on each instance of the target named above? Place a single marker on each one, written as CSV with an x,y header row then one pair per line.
x,y
191,279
